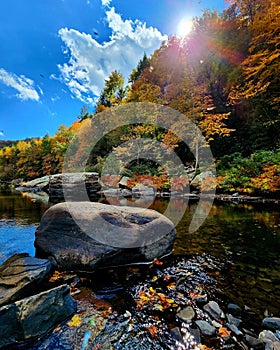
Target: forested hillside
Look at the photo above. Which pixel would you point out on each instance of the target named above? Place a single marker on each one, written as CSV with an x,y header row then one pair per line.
x,y
224,76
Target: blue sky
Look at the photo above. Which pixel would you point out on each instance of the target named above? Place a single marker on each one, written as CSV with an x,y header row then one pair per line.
x,y
55,54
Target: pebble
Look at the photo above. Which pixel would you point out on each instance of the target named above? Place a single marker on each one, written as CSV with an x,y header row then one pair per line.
x,y
216,324
233,320
202,299
187,314
253,342
267,336
205,328
214,310
234,309
196,334
272,323
272,346
235,330
270,339
177,334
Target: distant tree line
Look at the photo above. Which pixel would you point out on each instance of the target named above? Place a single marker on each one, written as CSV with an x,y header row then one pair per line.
x,y
224,76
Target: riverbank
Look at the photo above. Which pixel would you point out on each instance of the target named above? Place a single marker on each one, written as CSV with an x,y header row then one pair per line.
x,y
174,303
241,240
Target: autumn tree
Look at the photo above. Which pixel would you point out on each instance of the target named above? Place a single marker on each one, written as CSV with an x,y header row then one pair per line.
x,y
257,91
113,92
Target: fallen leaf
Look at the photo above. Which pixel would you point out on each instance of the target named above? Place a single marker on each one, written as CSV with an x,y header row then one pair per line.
x,y
224,332
159,307
203,347
153,331
194,295
152,291
171,286
156,262
144,298
75,321
170,301
57,328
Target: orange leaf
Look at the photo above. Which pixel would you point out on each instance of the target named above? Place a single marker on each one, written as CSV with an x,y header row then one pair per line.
x,y
156,262
171,286
224,332
152,330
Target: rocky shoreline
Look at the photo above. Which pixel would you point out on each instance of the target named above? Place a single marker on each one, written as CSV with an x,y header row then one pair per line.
x,y
81,186
169,304
70,296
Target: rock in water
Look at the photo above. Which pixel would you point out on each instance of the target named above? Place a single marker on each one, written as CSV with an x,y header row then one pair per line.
x,y
272,323
187,314
83,236
214,310
35,316
205,328
77,186
19,275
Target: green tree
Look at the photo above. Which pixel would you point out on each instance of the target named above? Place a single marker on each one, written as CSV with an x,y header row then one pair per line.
x,y
136,72
113,92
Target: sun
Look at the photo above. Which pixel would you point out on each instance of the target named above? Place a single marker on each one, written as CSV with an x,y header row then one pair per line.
x,y
184,27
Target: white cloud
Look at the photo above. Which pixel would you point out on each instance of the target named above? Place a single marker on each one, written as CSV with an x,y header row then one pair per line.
x,y
106,2
91,63
23,85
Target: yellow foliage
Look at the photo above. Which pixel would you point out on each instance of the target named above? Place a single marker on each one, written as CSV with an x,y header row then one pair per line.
x,y
75,321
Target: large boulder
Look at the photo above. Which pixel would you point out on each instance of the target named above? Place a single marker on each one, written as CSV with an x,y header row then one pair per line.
x,y
199,179
19,275
35,316
83,236
75,185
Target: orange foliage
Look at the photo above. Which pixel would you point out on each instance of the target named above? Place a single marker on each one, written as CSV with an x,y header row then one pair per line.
x,y
157,182
268,180
154,299
111,181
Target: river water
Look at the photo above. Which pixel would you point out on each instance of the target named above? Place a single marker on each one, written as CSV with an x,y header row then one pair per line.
x,y
244,238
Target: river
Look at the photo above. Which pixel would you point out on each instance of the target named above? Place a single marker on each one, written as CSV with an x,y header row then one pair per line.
x,y
244,238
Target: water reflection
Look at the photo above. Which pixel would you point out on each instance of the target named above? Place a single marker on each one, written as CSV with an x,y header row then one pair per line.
x,y
20,209
245,238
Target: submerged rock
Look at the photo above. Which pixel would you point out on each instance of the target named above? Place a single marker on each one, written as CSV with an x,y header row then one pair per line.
x,y
271,323
19,275
35,316
206,328
40,184
187,314
214,310
83,236
234,309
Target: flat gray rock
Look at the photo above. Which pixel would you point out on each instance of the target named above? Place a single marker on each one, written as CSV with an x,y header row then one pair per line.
x,y
19,275
35,316
271,323
205,328
214,310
